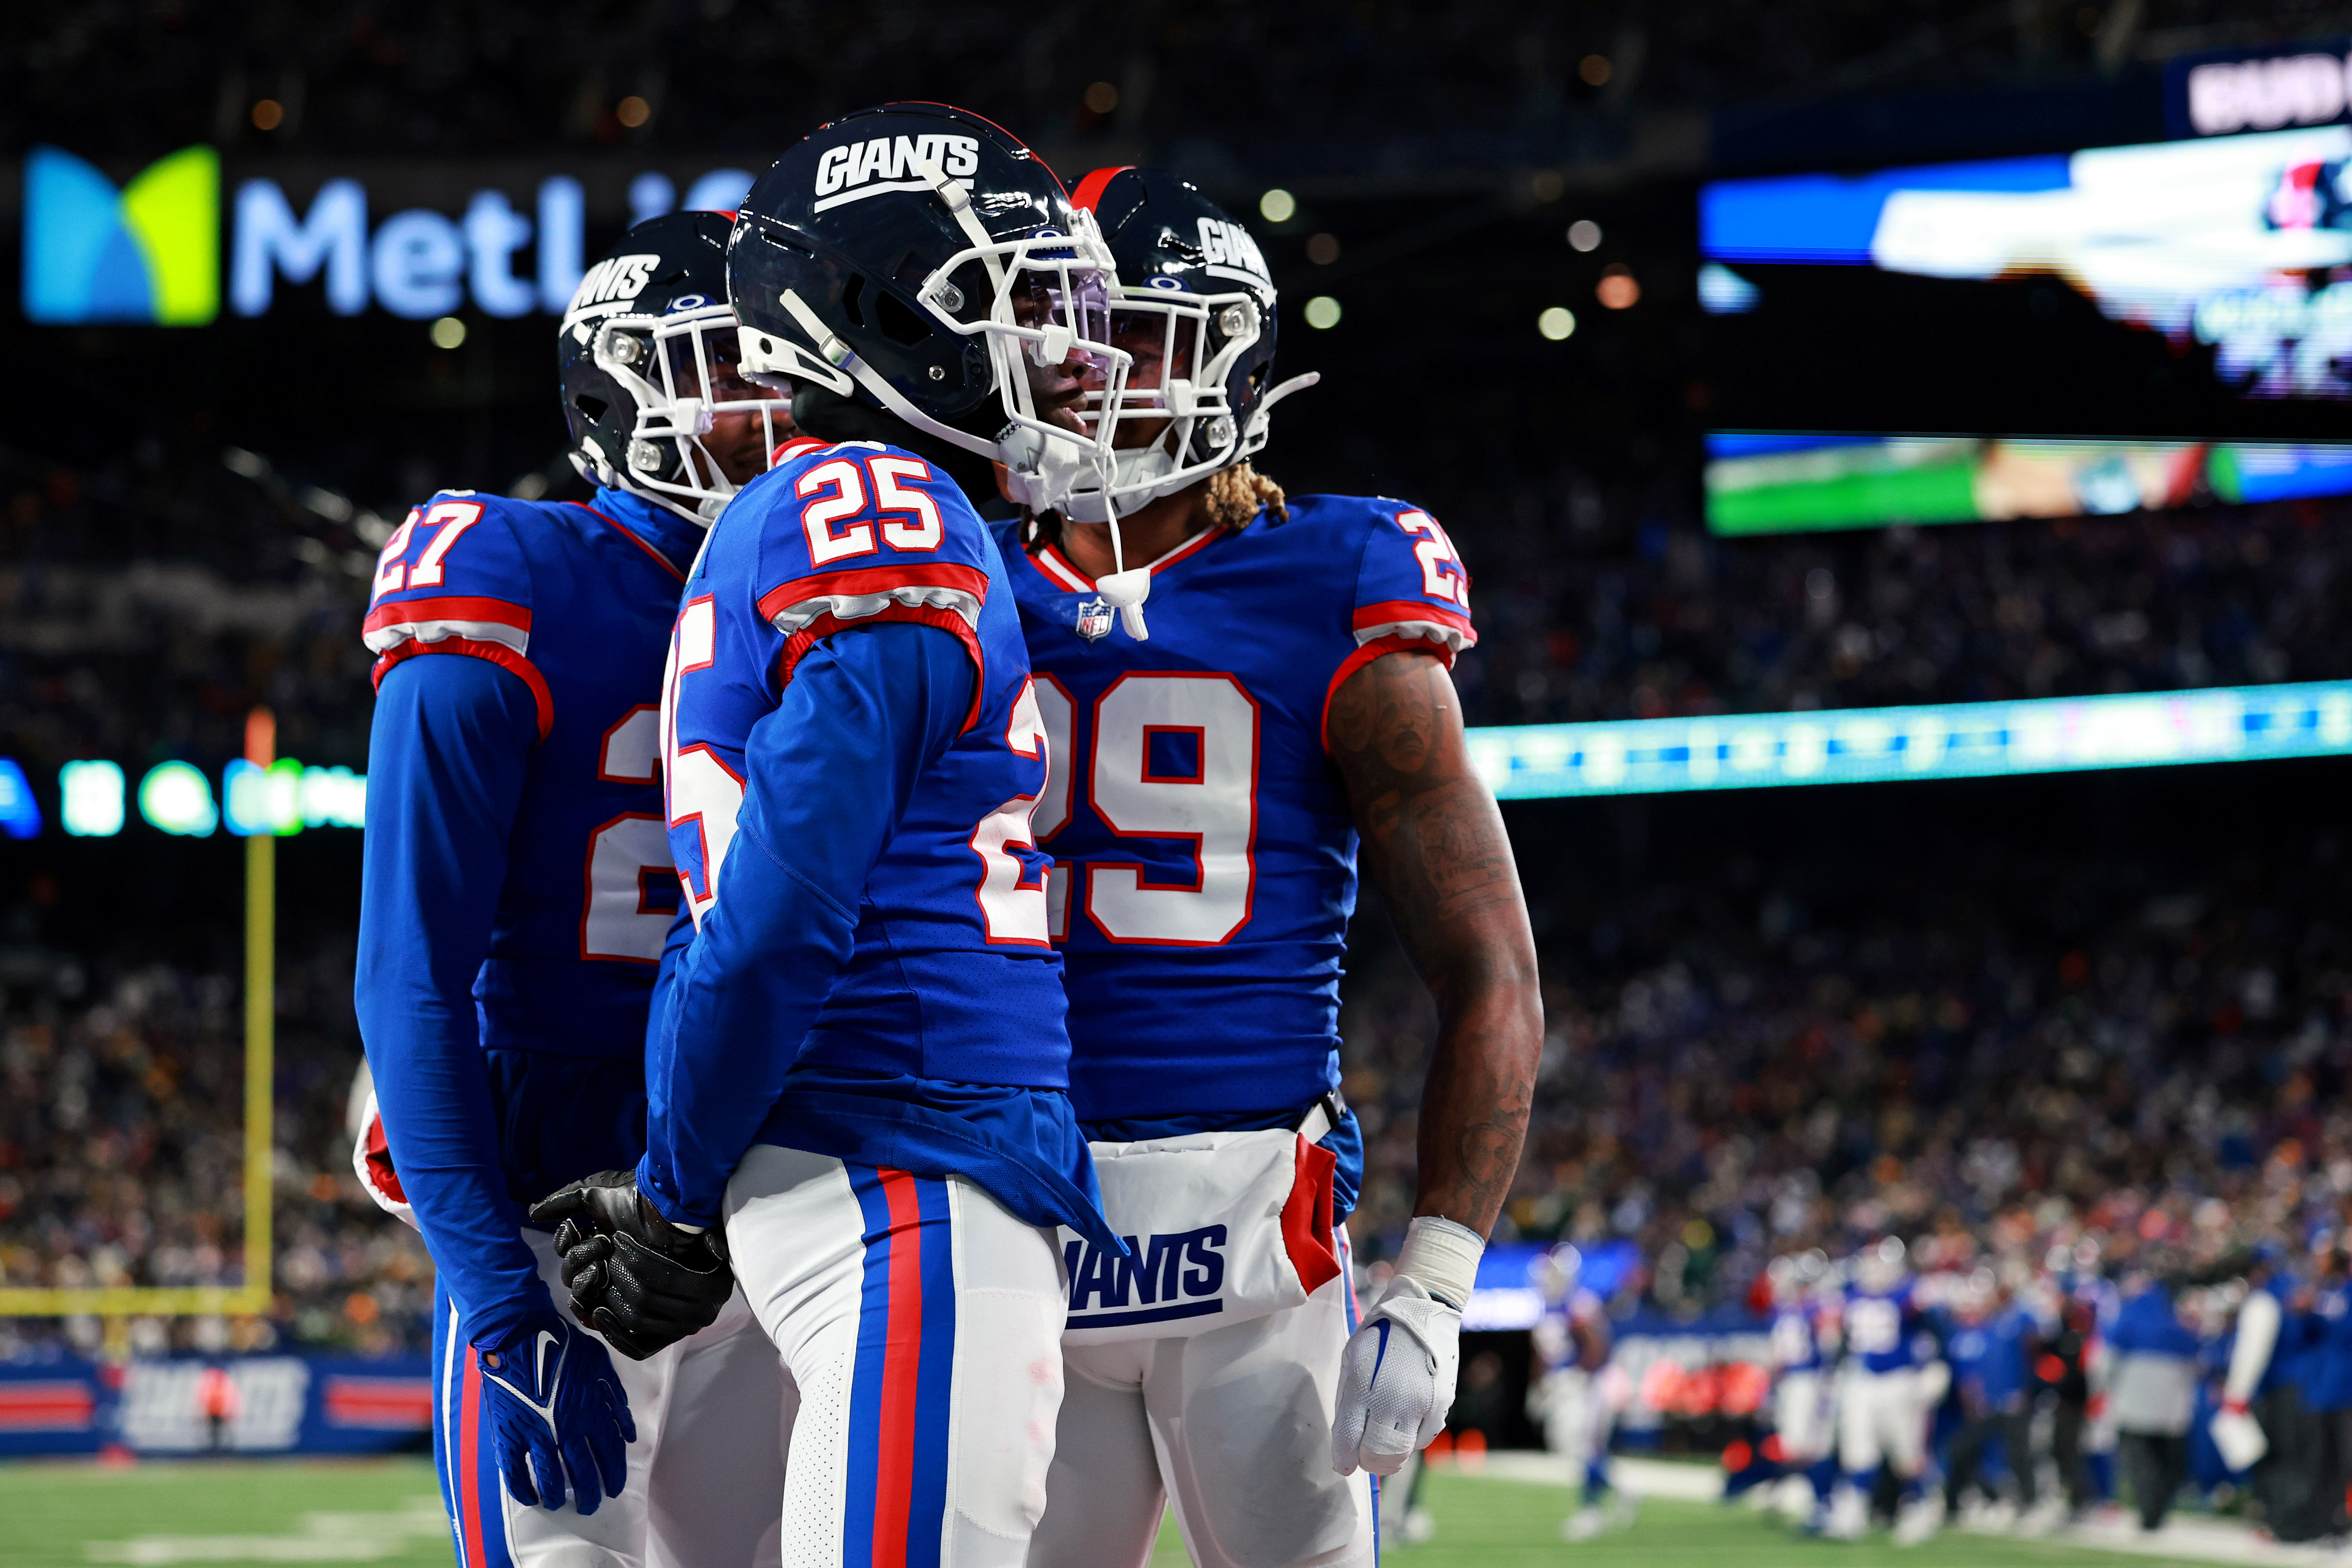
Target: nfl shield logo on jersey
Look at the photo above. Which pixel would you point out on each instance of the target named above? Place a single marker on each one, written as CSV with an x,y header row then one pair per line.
x,y
1094,620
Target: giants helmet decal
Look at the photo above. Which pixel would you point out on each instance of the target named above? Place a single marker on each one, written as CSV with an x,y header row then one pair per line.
x,y
645,357
1196,311
917,259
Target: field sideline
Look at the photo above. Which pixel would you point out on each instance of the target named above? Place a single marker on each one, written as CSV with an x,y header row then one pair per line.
x,y
386,1512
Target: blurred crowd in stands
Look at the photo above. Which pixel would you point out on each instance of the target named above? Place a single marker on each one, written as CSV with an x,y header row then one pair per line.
x,y
247,590
1683,624
121,1157
367,80
1744,1063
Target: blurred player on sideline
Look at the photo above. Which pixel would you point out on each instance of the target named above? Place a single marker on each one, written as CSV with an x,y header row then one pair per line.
x,y
861,1071
516,894
1804,1408
1889,1384
1287,701
1990,1349
1572,1398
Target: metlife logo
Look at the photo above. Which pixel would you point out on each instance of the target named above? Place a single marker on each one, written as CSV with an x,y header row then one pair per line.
x,y
152,250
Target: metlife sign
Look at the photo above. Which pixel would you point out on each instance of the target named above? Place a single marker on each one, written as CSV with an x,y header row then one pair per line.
x,y
2221,93
175,242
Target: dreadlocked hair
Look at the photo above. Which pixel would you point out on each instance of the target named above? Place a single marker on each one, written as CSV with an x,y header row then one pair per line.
x,y
1234,496
1236,493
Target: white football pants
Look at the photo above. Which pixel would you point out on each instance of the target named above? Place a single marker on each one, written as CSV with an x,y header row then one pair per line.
x,y
1802,1417
1232,1426
921,1325
713,1417
1576,1417
1881,1416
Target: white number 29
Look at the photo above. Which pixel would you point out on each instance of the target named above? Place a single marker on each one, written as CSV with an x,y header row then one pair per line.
x,y
1442,576
1214,805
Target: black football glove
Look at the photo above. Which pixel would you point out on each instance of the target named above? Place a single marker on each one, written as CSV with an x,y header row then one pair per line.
x,y
634,1278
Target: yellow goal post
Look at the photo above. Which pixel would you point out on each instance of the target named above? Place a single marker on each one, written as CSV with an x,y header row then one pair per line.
x,y
253,1296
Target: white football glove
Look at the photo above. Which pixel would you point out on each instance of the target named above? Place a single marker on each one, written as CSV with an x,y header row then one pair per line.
x,y
1397,1374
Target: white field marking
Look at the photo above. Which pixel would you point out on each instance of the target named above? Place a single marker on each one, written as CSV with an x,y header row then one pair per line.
x,y
2196,1537
1643,1477
323,1538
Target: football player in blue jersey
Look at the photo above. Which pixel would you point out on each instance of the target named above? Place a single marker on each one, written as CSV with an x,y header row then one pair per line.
x,y
1891,1382
1803,1401
861,1080
1289,707
516,896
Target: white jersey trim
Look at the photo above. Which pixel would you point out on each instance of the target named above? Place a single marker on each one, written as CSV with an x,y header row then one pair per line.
x,y
858,607
386,638
1454,637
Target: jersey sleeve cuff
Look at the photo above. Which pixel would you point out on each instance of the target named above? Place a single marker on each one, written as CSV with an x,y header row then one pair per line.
x,y
655,1192
390,625
505,657
854,594
1364,655
941,595
1415,620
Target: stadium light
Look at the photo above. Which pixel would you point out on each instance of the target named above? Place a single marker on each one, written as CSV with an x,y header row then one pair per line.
x,y
90,799
262,800
177,798
333,797
1277,205
1322,313
285,797
1557,323
20,814
1931,740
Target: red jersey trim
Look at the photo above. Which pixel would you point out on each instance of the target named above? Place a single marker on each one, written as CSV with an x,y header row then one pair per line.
x,y
1366,655
1057,571
632,536
497,653
1057,568
409,612
1395,612
866,580
797,646
786,450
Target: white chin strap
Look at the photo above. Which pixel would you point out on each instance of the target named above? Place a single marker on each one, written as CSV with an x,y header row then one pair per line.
x,y
1041,482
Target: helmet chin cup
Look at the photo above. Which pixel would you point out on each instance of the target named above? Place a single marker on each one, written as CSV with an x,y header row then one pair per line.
x,y
1041,470
1124,592
1138,478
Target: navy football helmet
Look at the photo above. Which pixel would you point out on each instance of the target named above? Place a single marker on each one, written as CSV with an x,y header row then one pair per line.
x,y
647,359
918,259
1195,308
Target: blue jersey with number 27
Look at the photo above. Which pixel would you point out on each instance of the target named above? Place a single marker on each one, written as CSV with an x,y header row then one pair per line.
x,y
517,887
1203,849
881,982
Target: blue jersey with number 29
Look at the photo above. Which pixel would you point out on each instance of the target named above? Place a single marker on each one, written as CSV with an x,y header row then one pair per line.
x,y
1203,847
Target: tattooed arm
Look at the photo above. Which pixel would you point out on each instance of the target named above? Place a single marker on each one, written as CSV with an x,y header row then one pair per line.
x,y
1434,843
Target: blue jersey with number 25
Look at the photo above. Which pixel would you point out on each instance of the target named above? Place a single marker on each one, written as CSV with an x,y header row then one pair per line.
x,y
940,976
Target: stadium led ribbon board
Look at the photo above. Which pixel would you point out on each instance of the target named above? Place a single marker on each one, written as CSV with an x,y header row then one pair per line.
x,y
1932,740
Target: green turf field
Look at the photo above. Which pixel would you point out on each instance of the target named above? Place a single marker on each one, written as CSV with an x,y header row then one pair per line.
x,y
386,1512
